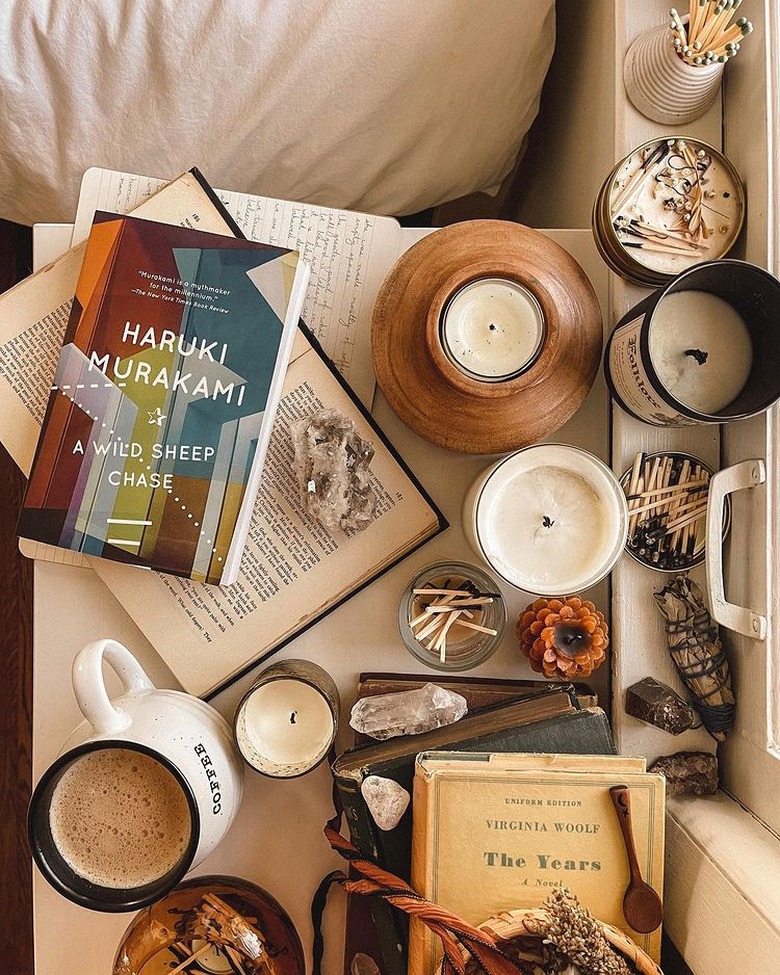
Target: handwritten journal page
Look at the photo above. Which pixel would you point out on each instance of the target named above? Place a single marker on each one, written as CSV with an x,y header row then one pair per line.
x,y
350,254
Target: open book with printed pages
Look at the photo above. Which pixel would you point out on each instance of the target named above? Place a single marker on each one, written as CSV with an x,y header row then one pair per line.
x,y
164,398
293,571
499,832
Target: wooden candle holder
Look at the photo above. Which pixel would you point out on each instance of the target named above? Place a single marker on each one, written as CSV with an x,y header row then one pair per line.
x,y
437,400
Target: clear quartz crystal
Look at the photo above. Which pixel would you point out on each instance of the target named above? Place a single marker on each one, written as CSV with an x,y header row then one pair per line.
x,y
407,712
331,466
387,801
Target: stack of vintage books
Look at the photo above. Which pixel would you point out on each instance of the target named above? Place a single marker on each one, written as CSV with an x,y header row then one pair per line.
x,y
509,802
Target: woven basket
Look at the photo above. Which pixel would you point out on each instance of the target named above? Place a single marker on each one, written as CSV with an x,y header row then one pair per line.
x,y
510,925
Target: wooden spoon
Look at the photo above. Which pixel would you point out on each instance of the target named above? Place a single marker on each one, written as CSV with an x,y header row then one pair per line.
x,y
642,906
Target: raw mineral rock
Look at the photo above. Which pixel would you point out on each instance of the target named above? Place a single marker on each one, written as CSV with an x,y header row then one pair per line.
x,y
363,964
688,773
387,801
659,705
331,466
407,712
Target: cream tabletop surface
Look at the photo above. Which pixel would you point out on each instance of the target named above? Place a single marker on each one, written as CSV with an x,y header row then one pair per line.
x,y
276,840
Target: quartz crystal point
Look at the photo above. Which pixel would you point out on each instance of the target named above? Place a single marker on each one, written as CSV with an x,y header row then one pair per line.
x,y
331,466
407,712
387,801
688,773
657,704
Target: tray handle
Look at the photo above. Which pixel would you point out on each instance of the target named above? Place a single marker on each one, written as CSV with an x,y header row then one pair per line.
x,y
740,619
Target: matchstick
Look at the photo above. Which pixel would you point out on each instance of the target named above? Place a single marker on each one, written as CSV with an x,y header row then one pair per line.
x,y
692,485
193,957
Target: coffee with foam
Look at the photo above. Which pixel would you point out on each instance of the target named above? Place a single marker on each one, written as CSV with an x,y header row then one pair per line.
x,y
119,818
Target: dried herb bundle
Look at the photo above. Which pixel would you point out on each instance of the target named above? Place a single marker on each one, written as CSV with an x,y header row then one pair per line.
x,y
578,938
697,653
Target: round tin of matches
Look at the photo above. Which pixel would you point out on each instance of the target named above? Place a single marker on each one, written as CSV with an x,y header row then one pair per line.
x,y
669,204
486,336
667,496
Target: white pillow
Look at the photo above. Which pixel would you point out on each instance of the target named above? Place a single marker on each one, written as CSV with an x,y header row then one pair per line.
x,y
388,106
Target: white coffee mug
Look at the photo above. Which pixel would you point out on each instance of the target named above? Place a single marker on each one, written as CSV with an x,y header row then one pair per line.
x,y
177,732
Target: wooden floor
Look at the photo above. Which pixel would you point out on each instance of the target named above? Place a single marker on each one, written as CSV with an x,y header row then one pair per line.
x,y
16,646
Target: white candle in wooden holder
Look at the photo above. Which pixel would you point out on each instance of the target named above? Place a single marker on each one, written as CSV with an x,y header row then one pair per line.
x,y
287,721
486,336
492,329
550,520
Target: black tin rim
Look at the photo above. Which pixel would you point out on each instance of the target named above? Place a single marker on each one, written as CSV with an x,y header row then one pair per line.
x,y
645,309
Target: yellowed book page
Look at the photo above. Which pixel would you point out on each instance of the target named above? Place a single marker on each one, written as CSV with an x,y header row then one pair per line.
x,y
569,763
350,254
293,569
523,761
504,840
33,316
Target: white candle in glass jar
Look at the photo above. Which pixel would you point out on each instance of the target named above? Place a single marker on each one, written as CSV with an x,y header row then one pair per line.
x,y
550,519
285,727
492,328
701,349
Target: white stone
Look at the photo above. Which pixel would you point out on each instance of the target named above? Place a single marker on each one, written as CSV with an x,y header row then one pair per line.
x,y
407,712
387,801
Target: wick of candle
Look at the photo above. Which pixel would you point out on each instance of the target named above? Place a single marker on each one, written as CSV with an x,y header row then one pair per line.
x,y
547,521
571,639
493,327
698,355
292,717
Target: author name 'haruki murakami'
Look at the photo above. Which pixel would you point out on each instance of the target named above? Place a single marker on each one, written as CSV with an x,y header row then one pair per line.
x,y
123,371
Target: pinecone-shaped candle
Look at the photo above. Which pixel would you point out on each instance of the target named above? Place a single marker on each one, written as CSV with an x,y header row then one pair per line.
x,y
564,639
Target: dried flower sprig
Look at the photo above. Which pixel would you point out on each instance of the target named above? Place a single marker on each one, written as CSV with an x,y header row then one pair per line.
x,y
578,936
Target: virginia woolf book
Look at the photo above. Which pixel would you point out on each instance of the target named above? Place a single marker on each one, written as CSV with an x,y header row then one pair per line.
x,y
165,393
547,720
500,833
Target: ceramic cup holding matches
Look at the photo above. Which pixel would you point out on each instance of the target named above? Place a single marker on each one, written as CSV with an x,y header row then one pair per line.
x,y
142,791
673,73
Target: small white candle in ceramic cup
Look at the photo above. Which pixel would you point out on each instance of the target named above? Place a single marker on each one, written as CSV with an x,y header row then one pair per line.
x,y
492,329
550,519
287,721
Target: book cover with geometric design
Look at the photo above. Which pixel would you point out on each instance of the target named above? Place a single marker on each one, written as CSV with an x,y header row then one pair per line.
x,y
165,393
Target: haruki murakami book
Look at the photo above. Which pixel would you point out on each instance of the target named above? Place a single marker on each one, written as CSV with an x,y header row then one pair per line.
x,y
165,393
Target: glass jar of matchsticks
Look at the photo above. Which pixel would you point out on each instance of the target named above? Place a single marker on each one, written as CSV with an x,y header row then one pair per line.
x,y
667,496
452,616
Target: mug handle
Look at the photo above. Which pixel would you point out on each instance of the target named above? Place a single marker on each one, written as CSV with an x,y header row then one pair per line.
x,y
90,687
